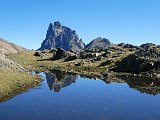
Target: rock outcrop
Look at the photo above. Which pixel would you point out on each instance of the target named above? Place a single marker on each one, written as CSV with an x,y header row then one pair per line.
x,y
143,60
147,45
62,54
59,36
100,43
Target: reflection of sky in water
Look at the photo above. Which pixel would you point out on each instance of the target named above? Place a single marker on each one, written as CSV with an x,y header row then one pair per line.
x,y
85,99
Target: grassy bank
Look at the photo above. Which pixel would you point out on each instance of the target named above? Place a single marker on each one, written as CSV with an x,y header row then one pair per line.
x,y
13,83
30,62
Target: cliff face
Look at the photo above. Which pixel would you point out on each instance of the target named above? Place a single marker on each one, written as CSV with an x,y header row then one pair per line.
x,y
59,36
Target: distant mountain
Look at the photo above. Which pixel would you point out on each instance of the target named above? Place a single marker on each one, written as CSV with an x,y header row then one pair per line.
x,y
99,42
59,36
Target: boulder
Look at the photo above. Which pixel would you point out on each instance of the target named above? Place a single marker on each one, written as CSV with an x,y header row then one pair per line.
x,y
60,54
82,62
136,64
147,45
38,54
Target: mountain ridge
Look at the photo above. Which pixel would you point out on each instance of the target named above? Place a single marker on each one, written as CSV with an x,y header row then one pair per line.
x,y
59,36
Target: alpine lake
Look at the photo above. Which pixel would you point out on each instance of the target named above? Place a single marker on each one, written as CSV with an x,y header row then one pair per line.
x,y
66,96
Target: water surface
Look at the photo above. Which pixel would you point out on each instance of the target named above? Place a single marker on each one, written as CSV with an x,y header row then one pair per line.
x,y
70,97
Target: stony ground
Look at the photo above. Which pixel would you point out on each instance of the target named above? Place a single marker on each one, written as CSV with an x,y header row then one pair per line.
x,y
94,61
14,78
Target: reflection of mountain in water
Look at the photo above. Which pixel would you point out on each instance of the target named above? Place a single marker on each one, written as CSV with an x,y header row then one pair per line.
x,y
57,80
143,84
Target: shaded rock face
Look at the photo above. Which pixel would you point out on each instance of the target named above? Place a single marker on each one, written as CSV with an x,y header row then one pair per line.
x,y
59,36
62,54
133,64
123,45
147,45
38,54
142,61
100,43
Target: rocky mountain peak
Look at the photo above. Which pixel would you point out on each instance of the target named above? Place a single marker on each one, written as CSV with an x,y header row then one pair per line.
x,y
101,43
59,36
51,26
57,25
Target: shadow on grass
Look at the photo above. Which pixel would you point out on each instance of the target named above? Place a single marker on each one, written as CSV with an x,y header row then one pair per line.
x,y
49,59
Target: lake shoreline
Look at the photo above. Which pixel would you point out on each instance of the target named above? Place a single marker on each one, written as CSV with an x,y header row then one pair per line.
x,y
14,83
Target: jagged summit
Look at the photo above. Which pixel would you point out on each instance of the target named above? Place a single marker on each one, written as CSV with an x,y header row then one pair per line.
x,y
57,24
59,36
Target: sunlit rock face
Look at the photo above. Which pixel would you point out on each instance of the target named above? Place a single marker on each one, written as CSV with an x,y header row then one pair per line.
x,y
59,36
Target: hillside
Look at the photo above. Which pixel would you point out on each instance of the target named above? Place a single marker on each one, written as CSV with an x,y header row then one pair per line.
x,y
14,78
7,48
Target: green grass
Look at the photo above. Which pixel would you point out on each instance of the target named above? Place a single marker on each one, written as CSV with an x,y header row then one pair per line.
x,y
29,61
13,82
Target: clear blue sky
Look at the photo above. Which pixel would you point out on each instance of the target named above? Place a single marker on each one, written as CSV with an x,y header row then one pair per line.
x,y
25,22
